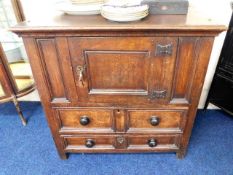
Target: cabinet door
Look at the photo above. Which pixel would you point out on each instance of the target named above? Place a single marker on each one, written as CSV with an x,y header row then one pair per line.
x,y
123,69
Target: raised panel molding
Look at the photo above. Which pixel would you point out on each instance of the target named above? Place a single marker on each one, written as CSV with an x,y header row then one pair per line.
x,y
185,69
121,67
52,69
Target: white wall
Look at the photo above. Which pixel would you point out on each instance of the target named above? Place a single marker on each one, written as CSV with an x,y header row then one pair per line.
x,y
211,69
221,9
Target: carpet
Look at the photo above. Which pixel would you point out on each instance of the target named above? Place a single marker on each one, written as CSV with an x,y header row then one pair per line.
x,y
30,150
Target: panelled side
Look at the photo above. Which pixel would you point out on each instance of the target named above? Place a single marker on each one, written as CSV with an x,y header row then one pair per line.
x,y
185,68
203,51
41,78
54,54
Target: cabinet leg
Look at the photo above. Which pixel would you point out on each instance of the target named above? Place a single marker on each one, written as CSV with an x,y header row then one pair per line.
x,y
16,103
181,154
63,156
206,105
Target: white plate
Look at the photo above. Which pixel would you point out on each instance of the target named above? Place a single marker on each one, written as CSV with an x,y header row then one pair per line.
x,y
124,16
123,2
86,1
78,9
124,10
124,19
82,13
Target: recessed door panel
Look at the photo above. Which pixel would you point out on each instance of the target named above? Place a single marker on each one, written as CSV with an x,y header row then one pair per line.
x,y
117,72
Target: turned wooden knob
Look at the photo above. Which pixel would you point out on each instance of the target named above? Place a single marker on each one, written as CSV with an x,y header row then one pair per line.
x,y
90,143
154,121
84,120
152,143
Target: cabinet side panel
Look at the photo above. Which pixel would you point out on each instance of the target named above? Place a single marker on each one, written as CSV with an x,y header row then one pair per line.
x,y
42,86
203,52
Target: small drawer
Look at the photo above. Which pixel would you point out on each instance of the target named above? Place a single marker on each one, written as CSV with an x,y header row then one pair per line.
x,y
89,143
154,142
85,120
167,121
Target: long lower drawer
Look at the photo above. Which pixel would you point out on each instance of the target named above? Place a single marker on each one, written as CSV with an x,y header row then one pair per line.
x,y
121,143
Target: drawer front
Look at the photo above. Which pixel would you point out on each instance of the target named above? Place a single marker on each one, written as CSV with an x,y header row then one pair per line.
x,y
89,143
120,143
85,120
123,70
154,142
168,121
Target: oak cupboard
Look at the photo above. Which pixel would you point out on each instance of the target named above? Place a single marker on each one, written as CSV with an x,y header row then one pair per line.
x,y
120,87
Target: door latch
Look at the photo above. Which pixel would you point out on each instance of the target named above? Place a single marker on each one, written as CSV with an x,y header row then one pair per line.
x,y
80,72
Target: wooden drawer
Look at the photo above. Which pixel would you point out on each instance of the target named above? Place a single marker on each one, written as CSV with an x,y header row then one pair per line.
x,y
153,142
166,121
88,143
120,143
85,120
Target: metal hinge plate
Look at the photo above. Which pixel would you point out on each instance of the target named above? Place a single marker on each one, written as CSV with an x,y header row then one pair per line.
x,y
158,94
163,50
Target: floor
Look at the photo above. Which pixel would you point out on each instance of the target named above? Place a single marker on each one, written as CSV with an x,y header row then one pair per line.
x,y
30,150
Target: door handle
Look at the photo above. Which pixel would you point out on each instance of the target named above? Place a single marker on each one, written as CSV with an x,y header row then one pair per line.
x,y
80,73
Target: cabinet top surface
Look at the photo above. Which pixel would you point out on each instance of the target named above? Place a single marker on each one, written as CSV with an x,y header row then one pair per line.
x,y
195,20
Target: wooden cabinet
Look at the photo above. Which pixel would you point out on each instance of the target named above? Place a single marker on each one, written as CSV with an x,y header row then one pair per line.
x,y
119,87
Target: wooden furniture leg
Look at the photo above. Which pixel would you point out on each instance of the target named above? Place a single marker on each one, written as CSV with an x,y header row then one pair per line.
x,y
16,103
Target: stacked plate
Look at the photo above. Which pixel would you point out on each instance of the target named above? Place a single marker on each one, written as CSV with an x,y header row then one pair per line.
x,y
124,11
80,7
86,2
